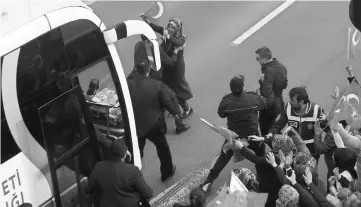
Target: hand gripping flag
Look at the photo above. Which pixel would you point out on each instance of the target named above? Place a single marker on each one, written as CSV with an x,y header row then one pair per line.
x,y
352,42
155,11
226,133
347,106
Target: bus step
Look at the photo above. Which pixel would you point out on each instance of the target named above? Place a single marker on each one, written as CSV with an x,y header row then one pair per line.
x,y
179,191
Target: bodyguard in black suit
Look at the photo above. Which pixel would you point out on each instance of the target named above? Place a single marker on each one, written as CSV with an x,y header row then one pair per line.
x,y
149,97
116,183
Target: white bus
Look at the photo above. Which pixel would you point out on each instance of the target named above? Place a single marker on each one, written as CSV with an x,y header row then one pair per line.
x,y
50,51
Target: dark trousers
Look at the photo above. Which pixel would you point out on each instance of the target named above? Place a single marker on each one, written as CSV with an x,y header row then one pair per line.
x,y
224,158
157,137
268,116
266,120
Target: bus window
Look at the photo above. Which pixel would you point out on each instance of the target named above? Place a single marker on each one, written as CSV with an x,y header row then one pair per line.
x,y
43,73
8,146
41,76
84,44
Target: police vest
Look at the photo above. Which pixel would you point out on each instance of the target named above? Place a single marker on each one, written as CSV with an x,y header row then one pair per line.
x,y
303,125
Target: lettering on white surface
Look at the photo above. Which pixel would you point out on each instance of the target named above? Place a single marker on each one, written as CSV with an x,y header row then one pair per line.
x,y
12,191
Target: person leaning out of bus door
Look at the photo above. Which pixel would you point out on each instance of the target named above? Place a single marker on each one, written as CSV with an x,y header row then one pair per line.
x,y
149,97
302,115
116,183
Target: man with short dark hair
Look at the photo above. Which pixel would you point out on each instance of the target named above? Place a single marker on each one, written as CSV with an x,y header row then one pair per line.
x,y
116,183
272,83
241,110
302,115
149,97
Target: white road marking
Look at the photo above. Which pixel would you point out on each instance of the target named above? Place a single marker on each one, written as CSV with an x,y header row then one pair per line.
x,y
262,22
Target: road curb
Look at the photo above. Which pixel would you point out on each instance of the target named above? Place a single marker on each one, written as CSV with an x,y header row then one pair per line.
x,y
179,191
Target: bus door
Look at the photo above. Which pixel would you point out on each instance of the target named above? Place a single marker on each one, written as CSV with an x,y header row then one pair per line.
x,y
71,147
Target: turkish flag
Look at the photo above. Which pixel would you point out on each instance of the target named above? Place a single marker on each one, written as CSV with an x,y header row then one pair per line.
x,y
155,11
347,106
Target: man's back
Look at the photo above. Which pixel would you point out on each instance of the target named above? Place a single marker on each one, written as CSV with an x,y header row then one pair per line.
x,y
241,112
279,73
119,184
145,94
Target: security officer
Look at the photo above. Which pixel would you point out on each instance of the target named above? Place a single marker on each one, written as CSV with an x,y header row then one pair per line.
x,y
241,109
302,115
149,96
272,83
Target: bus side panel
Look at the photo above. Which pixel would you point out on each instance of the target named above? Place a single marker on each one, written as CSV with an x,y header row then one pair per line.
x,y
23,183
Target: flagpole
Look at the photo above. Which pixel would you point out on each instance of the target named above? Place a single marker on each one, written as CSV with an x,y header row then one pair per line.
x,y
348,43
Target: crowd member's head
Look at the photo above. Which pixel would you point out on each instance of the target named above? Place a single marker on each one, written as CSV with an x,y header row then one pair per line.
x,y
300,172
119,149
236,84
247,178
264,55
298,97
354,200
142,67
343,194
197,198
305,159
287,197
345,159
284,143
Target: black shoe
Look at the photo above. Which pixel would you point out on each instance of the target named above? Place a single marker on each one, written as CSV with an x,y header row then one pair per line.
x,y
182,128
165,177
186,114
206,185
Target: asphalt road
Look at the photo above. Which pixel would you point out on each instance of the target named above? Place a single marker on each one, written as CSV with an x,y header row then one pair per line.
x,y
309,38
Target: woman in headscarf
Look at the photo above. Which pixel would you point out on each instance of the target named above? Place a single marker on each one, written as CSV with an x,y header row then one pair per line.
x,y
174,76
345,160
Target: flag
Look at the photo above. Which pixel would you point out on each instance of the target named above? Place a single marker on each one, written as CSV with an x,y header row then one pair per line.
x,y
155,11
352,41
347,106
236,184
226,133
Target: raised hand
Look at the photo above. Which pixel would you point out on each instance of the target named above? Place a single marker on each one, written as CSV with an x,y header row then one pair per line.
x,y
336,93
145,18
270,157
255,138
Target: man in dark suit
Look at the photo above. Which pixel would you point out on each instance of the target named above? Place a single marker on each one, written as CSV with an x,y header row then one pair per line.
x,y
116,183
149,97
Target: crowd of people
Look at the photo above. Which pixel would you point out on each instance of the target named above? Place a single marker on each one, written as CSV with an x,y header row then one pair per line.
x,y
297,132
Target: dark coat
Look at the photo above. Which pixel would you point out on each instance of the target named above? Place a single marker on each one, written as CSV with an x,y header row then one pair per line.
x,y
149,97
174,76
274,82
116,183
170,61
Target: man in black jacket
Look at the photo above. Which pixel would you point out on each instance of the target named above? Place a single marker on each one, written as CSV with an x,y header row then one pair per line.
x,y
241,110
149,97
116,183
272,83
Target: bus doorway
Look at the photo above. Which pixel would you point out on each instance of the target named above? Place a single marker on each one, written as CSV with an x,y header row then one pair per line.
x,y
71,146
